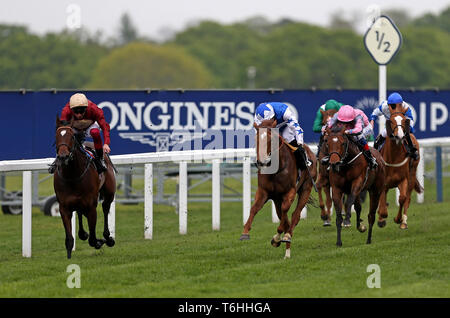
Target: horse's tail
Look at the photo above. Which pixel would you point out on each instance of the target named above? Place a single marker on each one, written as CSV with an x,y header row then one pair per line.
x,y
417,186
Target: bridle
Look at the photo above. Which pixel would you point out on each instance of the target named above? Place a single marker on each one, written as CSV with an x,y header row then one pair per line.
x,y
74,143
72,149
343,157
391,131
260,164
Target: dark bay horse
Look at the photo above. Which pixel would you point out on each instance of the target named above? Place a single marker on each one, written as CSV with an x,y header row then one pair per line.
x,y
400,168
78,185
280,184
323,178
349,174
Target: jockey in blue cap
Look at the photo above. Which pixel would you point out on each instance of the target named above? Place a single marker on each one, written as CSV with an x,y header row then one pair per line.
x,y
289,128
394,100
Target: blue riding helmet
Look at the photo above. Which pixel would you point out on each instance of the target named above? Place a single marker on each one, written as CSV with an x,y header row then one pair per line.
x,y
395,98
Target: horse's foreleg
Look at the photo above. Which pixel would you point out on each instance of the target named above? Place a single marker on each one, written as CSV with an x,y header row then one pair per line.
x,y
92,223
106,205
400,219
375,195
260,199
382,209
337,201
66,216
329,204
82,234
359,225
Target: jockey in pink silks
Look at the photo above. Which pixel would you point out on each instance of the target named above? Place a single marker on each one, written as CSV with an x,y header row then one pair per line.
x,y
357,126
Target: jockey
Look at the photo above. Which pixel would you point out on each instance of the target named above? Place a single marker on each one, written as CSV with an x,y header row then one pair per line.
x,y
79,107
289,128
317,126
394,101
356,124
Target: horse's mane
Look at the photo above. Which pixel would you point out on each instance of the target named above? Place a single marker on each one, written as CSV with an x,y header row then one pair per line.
x,y
336,128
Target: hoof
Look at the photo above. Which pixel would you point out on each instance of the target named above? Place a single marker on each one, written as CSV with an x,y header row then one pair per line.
x,y
245,237
382,223
83,236
275,243
97,244
346,223
338,244
110,242
404,226
326,223
286,238
398,221
362,228
69,254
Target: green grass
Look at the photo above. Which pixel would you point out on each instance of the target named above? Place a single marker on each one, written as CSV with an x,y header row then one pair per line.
x,y
205,263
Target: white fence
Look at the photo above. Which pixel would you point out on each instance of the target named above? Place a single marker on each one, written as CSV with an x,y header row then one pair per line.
x,y
245,156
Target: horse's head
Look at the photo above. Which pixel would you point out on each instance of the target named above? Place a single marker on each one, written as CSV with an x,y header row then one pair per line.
x,y
264,138
398,124
327,115
336,143
64,141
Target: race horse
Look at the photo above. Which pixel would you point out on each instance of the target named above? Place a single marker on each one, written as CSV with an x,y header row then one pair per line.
x,y
400,168
349,174
323,182
281,183
78,185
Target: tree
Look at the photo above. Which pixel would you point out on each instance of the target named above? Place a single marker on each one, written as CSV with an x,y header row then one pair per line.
x,y
144,65
127,31
55,60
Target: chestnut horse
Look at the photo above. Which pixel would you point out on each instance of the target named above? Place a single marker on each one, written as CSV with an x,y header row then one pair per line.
x,y
323,180
400,168
278,180
350,174
78,185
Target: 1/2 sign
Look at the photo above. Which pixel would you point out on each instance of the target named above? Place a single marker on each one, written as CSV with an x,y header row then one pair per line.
x,y
383,40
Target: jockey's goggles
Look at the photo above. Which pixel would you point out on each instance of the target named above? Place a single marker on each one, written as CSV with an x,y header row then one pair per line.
x,y
79,110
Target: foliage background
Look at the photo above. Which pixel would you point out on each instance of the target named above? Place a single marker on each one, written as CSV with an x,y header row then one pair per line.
x,y
285,54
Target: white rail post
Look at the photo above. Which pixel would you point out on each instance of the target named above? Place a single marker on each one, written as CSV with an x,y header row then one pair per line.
x,y
26,213
420,173
182,192
275,218
304,213
148,201
112,219
216,194
74,228
247,187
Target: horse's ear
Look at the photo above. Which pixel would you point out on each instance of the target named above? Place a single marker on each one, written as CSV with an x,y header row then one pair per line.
x,y
71,122
274,123
58,121
405,109
322,112
255,125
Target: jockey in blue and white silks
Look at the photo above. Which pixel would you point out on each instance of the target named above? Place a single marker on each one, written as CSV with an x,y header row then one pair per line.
x,y
394,101
288,126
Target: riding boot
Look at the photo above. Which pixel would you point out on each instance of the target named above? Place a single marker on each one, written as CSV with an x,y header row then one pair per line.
x,y
52,167
379,142
412,151
370,159
319,146
100,161
300,156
